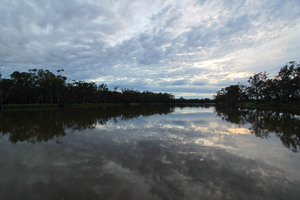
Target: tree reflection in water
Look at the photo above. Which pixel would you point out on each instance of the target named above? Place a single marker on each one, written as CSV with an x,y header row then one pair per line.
x,y
41,126
263,123
155,157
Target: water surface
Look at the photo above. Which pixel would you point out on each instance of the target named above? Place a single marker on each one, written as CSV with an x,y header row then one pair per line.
x,y
149,153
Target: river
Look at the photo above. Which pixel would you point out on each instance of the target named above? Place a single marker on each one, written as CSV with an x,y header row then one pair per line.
x,y
149,153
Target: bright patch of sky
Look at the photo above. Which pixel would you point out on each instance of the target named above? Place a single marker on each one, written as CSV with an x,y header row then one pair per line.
x,y
189,48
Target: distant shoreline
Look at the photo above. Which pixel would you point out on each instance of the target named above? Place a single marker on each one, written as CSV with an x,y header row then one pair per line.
x,y
15,107
248,105
270,106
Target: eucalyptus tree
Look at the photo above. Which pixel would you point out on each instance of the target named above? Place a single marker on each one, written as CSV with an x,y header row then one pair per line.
x,y
258,83
23,87
288,80
1,91
229,95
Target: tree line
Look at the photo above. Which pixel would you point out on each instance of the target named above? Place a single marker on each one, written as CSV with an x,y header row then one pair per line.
x,y
284,88
45,87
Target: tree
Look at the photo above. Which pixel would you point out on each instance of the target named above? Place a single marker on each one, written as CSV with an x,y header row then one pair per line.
x,y
229,95
51,87
288,80
23,86
1,91
84,91
257,85
43,86
271,90
6,86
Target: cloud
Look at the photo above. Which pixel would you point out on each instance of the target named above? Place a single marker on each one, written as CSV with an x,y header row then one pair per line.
x,y
157,41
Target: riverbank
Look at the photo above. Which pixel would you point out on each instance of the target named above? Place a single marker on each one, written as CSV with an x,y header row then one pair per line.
x,y
271,106
16,107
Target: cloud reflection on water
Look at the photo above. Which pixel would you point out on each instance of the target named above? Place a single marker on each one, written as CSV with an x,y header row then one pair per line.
x,y
188,154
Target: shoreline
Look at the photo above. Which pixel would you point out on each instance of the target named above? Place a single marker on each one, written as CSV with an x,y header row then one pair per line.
x,y
249,105
271,106
23,107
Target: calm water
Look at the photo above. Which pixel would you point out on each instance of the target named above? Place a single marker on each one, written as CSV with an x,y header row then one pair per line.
x,y
149,153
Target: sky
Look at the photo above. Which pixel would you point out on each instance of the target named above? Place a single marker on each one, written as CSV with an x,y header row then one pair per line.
x,y
190,48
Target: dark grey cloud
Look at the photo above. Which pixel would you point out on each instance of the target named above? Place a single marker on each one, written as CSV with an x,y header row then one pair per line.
x,y
198,82
180,82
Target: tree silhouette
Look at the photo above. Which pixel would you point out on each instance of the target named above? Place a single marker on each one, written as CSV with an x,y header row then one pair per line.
x,y
43,86
257,85
283,88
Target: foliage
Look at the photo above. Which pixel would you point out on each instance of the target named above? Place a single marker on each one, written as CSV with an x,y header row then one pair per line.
x,y
229,95
43,86
257,85
283,88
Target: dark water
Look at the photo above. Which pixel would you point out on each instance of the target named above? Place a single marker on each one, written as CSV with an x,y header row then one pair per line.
x,y
149,153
